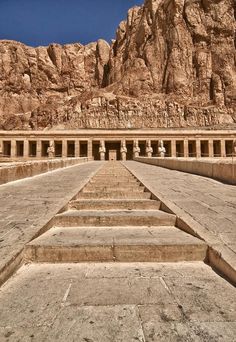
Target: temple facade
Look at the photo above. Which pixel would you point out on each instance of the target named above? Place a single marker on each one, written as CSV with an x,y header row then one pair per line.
x,y
116,144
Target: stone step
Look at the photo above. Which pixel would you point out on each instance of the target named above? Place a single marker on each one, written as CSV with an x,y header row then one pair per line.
x,y
115,175
121,244
72,218
114,204
111,188
115,172
106,180
117,182
115,195
114,184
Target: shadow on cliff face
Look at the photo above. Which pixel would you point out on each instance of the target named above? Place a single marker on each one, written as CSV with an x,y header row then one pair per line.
x,y
172,65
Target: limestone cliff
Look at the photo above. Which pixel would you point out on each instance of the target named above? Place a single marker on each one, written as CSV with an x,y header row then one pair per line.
x,y
173,64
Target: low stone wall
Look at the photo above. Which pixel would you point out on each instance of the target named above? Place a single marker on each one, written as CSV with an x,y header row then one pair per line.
x,y
220,169
14,171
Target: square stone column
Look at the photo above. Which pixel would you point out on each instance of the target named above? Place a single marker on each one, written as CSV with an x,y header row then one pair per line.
x,y
77,148
64,148
26,149
90,149
211,148
13,148
186,151
198,148
222,148
173,148
38,148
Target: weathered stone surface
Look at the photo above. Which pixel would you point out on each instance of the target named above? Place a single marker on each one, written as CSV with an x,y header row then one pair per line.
x,y
172,65
117,302
205,205
34,80
180,47
10,172
28,204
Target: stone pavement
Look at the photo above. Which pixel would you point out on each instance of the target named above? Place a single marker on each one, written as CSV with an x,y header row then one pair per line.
x,y
131,234
92,280
27,205
206,204
117,302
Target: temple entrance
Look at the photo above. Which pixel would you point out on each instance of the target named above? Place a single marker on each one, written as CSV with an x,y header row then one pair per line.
x,y
113,150
112,155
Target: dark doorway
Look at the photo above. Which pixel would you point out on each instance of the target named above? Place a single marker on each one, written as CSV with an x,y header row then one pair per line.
x,y
45,145
155,148
217,148
96,155
179,149
204,148
129,146
229,148
167,145
20,148
6,148
142,146
83,149
112,150
32,148
192,148
70,149
58,149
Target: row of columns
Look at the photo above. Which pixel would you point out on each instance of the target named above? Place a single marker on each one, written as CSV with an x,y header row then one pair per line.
x,y
136,149
162,150
77,148
123,149
39,147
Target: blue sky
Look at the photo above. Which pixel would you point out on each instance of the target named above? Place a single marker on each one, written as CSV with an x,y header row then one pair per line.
x,y
40,22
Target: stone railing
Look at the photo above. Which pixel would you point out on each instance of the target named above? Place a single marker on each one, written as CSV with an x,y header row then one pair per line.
x,y
13,171
220,169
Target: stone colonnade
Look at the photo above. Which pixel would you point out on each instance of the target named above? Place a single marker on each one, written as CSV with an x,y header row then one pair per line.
x,y
123,149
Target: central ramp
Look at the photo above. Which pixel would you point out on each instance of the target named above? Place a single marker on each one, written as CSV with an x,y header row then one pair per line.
x,y
119,222
114,267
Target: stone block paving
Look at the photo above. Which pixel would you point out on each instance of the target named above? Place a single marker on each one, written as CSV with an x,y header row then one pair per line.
x,y
28,204
210,203
117,302
59,300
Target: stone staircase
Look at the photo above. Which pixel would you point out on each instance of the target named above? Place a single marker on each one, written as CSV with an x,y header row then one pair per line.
x,y
114,218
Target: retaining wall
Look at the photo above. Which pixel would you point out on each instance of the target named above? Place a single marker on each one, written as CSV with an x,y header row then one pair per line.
x,y
222,170
14,171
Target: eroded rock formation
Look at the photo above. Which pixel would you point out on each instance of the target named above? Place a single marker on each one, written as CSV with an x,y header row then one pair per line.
x,y
173,64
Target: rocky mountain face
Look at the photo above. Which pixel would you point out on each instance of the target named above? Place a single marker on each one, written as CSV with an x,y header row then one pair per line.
x,y
172,64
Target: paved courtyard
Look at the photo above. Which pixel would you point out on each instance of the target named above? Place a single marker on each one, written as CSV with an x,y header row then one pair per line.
x,y
28,204
210,203
112,266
